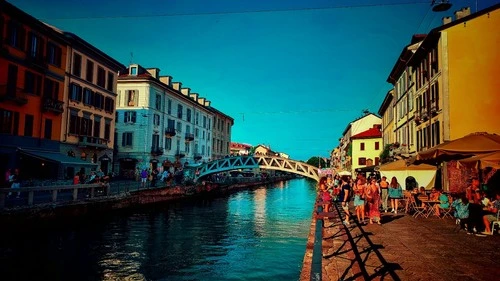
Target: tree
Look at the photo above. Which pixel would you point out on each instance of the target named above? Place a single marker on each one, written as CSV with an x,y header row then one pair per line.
x,y
313,161
385,154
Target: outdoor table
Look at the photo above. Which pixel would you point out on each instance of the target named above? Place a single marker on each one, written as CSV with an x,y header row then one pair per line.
x,y
430,207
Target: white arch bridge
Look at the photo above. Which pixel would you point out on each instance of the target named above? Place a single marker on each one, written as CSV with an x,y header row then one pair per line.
x,y
263,162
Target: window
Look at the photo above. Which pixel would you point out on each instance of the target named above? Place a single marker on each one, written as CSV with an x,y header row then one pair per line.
x,y
203,149
98,101
130,117
179,127
188,147
362,161
90,71
97,126
77,65
54,54
28,125
188,129
130,97
196,132
205,122
6,121
48,129
362,146
74,122
202,135
29,82
76,92
179,111
168,143
158,102
87,96
35,46
109,105
16,35
133,70
377,145
107,129
127,139
196,117
111,80
85,126
171,123
101,77
155,140
156,119
188,115
169,107
51,89
377,160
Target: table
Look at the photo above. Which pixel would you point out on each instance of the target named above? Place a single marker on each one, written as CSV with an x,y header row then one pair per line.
x,y
430,207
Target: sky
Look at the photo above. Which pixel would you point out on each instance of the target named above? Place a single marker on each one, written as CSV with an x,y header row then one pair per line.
x,y
292,73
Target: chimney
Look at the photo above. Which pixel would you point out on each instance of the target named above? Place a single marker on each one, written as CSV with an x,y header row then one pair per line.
x,y
446,20
177,85
194,96
201,101
462,13
207,103
155,72
166,80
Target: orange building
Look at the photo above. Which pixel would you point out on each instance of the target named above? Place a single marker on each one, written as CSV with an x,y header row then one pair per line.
x,y
32,78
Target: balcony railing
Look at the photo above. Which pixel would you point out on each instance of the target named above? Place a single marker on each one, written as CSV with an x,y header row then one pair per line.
x,y
416,116
189,137
92,141
197,156
52,105
424,114
433,108
13,94
170,132
180,153
156,150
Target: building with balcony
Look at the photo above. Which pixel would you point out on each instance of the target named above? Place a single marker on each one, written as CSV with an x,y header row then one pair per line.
x,y
89,103
221,134
386,110
366,147
33,62
160,121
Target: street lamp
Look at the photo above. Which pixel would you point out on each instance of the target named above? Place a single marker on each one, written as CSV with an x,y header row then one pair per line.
x,y
440,5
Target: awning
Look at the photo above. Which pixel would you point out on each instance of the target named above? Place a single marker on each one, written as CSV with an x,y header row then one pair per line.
x,y
56,157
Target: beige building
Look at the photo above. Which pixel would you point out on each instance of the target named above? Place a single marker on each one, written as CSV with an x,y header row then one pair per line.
x,y
386,110
221,141
88,122
366,148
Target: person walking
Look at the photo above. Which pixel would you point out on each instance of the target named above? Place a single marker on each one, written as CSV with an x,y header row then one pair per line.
x,y
395,193
344,199
359,200
373,198
384,186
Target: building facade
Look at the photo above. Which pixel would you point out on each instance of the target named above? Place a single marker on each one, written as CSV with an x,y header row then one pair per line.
x,y
386,110
221,141
161,122
89,104
33,62
240,149
366,148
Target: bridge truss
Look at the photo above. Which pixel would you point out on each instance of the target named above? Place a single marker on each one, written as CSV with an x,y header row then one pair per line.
x,y
263,162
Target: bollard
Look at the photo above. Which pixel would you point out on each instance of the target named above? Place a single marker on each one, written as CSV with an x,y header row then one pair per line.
x,y
54,195
30,198
75,193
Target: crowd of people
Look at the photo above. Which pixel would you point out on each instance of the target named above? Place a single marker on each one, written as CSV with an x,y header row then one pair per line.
x,y
474,210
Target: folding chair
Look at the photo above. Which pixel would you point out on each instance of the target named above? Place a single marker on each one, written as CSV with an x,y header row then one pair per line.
x,y
418,209
497,222
449,211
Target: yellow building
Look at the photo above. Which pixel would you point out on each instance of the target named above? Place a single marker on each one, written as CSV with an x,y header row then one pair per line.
x,y
386,110
366,148
456,78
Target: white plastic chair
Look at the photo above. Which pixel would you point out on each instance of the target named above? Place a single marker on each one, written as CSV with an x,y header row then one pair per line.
x,y
497,222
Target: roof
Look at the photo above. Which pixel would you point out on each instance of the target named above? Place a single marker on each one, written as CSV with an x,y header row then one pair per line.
x,y
433,36
405,55
240,145
368,134
387,101
357,119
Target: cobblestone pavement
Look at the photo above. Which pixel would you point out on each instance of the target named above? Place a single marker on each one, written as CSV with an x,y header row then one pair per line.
x,y
406,248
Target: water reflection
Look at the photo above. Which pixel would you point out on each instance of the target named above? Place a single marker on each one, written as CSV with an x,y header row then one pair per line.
x,y
250,235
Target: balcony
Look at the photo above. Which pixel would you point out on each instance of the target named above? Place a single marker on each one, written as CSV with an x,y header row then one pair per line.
x,y
13,94
170,132
180,154
156,150
424,114
189,137
416,116
89,141
197,156
434,108
52,105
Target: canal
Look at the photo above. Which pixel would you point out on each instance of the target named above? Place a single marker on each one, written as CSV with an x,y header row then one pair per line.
x,y
257,234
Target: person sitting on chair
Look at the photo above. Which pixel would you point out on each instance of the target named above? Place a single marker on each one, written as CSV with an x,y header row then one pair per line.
x,y
491,216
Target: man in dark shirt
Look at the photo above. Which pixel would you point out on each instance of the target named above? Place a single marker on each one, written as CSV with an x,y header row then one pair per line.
x,y
344,198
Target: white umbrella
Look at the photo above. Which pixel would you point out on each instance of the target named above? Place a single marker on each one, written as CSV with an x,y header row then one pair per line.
x,y
344,173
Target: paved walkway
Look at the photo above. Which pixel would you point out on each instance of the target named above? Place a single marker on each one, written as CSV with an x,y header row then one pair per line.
x,y
407,248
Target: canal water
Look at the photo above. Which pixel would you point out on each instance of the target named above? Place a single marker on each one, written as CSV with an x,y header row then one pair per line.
x,y
257,234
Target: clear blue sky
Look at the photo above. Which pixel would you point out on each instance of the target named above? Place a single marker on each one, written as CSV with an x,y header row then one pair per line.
x,y
291,73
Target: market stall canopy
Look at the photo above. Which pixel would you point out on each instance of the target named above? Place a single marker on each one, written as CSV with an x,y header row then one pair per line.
x,y
483,161
424,174
472,144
